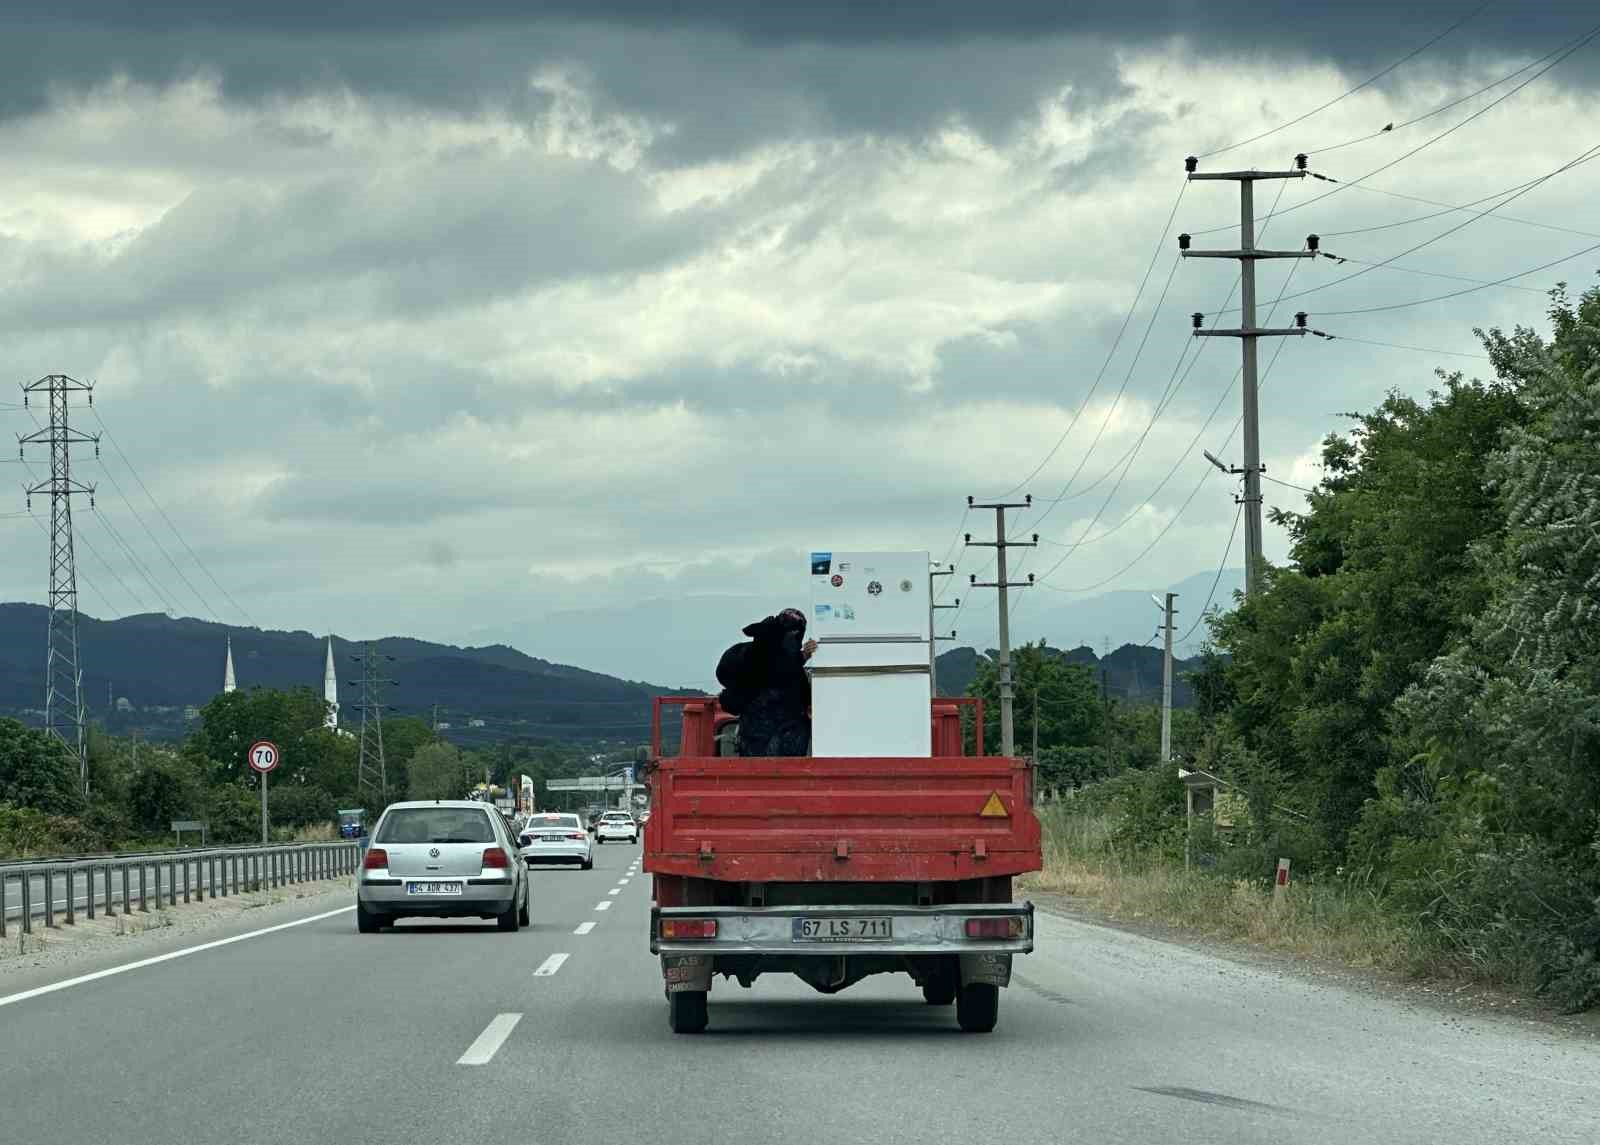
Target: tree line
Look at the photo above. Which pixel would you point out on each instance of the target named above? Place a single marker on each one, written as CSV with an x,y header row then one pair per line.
x,y
137,789
1411,703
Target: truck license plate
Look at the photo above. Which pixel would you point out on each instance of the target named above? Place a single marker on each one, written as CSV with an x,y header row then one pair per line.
x,y
433,888
879,929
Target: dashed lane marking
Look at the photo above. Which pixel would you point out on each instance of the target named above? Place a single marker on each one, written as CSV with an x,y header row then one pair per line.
x,y
585,927
622,882
550,965
614,891
488,1043
603,905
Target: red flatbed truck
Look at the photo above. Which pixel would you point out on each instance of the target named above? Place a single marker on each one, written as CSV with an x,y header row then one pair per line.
x,y
834,869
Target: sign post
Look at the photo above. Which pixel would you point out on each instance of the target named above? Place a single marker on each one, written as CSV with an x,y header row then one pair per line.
x,y
264,756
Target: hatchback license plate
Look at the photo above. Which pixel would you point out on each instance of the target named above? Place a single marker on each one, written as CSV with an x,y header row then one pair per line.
x,y
880,929
433,888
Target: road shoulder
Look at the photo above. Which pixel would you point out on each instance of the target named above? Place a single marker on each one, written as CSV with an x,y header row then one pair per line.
x,y
45,957
1449,998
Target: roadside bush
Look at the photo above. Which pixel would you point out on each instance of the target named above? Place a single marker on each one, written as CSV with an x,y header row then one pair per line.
x,y
26,833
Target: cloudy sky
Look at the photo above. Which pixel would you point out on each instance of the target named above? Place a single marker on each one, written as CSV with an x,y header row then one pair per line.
x,y
510,322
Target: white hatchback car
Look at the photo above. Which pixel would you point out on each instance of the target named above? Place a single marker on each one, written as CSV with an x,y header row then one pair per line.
x,y
555,837
616,825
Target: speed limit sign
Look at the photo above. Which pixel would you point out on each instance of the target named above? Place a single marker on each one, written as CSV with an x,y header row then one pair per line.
x,y
264,755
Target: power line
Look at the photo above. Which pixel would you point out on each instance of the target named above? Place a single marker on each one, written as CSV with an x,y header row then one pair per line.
x,y
1451,208
1368,82
1398,346
1436,274
1342,185
1585,156
181,540
1227,552
1390,128
1288,484
1115,343
1455,293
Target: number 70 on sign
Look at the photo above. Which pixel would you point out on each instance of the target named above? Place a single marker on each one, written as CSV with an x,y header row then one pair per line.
x,y
264,755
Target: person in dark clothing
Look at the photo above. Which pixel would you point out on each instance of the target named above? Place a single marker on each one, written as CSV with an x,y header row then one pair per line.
x,y
774,689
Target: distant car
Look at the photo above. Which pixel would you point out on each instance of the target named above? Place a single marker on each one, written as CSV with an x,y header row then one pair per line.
x,y
445,858
555,837
616,825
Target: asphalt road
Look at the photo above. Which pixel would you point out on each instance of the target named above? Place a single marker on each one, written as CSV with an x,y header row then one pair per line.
x,y
459,1033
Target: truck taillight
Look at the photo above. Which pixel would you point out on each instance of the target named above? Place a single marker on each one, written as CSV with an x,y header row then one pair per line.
x,y
376,859
496,857
680,929
1009,926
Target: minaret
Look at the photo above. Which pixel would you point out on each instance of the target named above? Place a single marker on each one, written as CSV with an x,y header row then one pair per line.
x,y
228,684
330,688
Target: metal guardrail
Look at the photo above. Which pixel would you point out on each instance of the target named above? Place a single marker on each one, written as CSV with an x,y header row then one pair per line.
x,y
33,885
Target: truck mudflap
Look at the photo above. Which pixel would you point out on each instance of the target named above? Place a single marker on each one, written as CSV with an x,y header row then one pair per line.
x,y
985,935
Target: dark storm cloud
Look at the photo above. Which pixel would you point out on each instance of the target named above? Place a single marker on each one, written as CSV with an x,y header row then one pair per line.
x,y
733,73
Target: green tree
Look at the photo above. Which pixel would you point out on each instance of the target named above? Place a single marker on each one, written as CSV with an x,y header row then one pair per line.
x,y
439,771
165,787
37,771
294,720
1064,697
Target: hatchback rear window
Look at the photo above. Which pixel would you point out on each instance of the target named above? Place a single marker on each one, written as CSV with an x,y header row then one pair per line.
x,y
436,825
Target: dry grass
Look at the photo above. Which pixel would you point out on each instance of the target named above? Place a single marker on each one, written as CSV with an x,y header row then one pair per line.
x,y
315,833
1330,919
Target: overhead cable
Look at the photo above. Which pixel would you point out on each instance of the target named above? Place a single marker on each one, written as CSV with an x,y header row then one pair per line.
x,y
1366,83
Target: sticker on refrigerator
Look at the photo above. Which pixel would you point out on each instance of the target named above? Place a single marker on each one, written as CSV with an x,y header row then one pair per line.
x,y
875,588
824,611
821,563
844,612
837,581
905,586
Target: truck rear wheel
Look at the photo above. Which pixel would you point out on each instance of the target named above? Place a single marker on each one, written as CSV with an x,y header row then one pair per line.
x,y
978,1007
940,993
686,1011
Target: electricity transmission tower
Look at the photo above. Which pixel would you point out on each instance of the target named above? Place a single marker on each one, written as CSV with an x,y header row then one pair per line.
x,y
1247,332
63,697
372,775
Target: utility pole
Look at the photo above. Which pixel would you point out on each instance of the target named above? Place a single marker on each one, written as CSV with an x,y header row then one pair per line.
x,y
372,774
63,694
1247,332
1167,613
1008,743
933,640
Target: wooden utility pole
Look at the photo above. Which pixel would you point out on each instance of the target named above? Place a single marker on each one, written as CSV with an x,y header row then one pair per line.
x,y
1008,742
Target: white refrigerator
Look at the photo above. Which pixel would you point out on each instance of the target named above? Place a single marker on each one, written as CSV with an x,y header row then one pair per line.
x,y
870,685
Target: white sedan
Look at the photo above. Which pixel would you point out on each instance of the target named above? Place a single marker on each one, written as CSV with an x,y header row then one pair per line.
x,y
554,837
616,825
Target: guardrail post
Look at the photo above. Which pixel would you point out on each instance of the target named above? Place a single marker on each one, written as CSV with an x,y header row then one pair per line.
x,y
126,904
27,901
49,897
186,880
4,878
144,903
88,900
72,889
277,868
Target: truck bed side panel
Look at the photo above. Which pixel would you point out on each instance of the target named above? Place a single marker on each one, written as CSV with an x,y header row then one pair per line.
x,y
826,819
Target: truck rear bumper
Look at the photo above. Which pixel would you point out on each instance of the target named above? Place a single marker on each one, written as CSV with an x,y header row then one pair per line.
x,y
916,930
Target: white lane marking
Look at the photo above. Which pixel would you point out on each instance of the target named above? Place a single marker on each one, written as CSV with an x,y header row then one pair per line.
x,y
585,927
614,891
622,882
603,905
488,1043
550,965
24,995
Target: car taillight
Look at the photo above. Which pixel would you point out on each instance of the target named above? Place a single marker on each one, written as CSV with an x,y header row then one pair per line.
x,y
1003,927
575,834
376,859
686,928
496,857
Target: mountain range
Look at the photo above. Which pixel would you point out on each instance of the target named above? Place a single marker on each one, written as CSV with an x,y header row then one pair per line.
x,y
151,672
